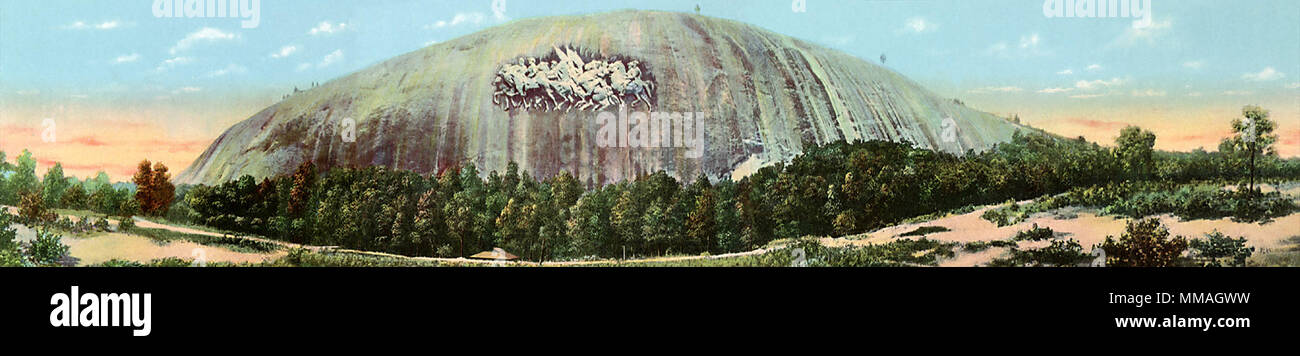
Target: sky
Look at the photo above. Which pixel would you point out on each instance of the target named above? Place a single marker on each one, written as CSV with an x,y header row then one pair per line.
x,y
118,84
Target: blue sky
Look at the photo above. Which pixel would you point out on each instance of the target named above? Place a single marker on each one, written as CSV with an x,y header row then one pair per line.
x,y
960,44
1199,61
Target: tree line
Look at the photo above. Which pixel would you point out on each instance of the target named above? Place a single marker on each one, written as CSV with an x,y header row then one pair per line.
x,y
836,189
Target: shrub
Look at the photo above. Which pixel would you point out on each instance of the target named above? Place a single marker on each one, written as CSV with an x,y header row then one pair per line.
x,y
32,211
1145,243
1035,234
102,224
898,253
1216,246
125,224
1061,253
48,248
9,254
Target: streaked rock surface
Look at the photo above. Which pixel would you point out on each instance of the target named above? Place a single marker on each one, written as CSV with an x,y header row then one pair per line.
x,y
763,93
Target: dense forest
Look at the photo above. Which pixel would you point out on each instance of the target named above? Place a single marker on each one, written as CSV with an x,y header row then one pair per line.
x,y
835,189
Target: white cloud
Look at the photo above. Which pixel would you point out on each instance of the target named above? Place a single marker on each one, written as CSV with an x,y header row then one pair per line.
x,y
1268,74
1028,47
1149,93
461,18
102,26
1238,92
1194,64
1195,94
1006,89
173,63
1098,84
919,25
28,92
229,69
1087,96
1067,71
327,28
430,43
1029,41
127,58
206,34
329,59
1149,35
1056,90
1295,85
187,90
1094,67
284,52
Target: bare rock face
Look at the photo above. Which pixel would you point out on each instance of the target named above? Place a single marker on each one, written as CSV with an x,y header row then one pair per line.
x,y
762,95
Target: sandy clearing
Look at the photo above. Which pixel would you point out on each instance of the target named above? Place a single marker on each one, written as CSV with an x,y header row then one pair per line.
x,y
103,247
1083,225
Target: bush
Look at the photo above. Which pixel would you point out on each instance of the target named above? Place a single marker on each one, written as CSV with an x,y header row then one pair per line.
x,y
47,249
1188,202
1061,253
9,254
32,211
1145,243
1035,234
900,253
1216,246
125,224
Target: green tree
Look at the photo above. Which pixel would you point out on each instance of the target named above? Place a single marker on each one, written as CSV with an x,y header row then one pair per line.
x,y
1252,139
656,230
100,179
6,193
517,228
1135,148
430,227
75,198
24,179
701,223
54,185
625,219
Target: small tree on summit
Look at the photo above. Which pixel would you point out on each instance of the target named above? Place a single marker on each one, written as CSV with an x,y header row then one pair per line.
x,y
154,190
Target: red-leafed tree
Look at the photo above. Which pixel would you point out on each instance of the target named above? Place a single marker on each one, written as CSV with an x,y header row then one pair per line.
x,y
154,190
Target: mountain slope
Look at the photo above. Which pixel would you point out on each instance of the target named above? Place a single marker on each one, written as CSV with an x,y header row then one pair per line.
x,y
763,94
